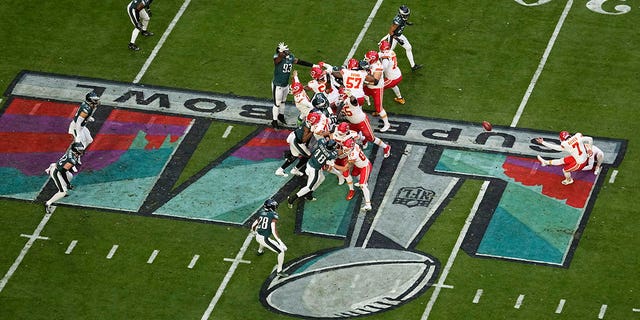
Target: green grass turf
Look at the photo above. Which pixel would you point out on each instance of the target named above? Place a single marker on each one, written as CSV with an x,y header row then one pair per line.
x,y
479,58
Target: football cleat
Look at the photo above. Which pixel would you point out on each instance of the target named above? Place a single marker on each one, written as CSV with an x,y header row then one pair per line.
x,y
387,151
147,33
351,194
385,127
275,124
297,172
259,253
366,207
280,172
281,118
542,161
341,180
134,47
290,202
416,67
399,100
567,182
597,170
48,208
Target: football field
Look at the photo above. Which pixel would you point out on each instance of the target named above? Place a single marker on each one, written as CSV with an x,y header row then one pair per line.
x,y
466,223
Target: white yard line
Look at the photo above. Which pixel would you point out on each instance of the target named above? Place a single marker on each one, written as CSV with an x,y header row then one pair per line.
x,y
560,305
603,310
612,179
112,251
543,61
25,249
454,251
153,256
227,132
164,37
519,301
227,277
476,298
363,31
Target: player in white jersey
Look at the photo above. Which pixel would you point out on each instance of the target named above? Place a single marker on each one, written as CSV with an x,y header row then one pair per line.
x,y
359,122
392,72
321,83
303,103
342,134
579,148
353,79
359,166
375,89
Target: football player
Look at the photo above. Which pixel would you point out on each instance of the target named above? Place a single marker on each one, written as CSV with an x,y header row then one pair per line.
x,y
139,12
322,158
580,149
283,61
61,173
375,89
321,82
300,97
298,141
78,126
341,135
263,227
359,122
396,34
392,73
359,166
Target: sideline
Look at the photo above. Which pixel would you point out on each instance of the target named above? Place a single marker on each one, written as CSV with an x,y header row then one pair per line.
x,y
160,43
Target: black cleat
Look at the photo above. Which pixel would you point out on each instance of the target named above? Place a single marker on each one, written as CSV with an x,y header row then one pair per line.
x,y
134,47
416,67
147,33
281,118
259,253
274,124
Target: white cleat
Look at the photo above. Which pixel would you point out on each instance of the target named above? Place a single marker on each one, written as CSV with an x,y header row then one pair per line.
x,y
542,161
567,182
385,127
341,180
366,207
297,172
280,172
597,171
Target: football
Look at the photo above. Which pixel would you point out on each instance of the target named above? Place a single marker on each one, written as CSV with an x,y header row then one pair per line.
x,y
349,282
487,125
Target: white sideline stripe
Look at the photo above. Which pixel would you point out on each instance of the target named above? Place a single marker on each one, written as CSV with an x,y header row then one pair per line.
x,y
193,261
519,301
560,306
31,236
635,310
71,246
112,251
612,179
363,31
476,298
603,310
233,260
454,251
153,256
543,61
164,37
25,249
227,132
227,277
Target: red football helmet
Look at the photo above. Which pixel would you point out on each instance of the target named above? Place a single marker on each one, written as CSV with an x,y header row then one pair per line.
x,y
316,73
564,135
296,87
343,128
371,56
313,118
348,144
353,64
384,45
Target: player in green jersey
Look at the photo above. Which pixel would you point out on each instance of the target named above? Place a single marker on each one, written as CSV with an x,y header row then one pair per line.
x,y
264,228
139,12
60,173
396,34
283,61
84,114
